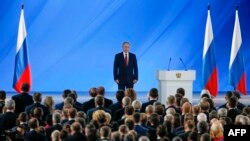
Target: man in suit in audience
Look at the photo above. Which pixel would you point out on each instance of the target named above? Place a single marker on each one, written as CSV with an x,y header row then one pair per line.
x,y
90,103
227,97
152,97
72,115
8,119
126,101
65,94
118,105
56,119
240,105
2,100
33,135
107,102
23,99
141,131
37,97
233,111
125,69
99,103
76,134
188,127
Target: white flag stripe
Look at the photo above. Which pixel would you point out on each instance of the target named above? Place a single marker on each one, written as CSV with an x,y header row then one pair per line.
x,y
21,32
237,41
208,34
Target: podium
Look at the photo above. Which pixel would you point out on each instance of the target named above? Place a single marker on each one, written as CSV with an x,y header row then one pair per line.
x,y
170,81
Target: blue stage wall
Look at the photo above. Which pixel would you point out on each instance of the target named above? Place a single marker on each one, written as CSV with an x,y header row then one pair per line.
x,y
72,43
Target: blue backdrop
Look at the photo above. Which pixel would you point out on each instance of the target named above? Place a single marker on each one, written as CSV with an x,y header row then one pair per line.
x,y
72,43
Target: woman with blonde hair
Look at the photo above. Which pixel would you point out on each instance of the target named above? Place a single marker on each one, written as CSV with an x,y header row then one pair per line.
x,y
130,92
216,131
49,102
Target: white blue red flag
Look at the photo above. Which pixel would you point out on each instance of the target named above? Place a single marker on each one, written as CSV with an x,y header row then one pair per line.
x,y
237,74
209,69
22,72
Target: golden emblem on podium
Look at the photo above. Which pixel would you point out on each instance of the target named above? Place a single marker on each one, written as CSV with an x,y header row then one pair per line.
x,y
178,75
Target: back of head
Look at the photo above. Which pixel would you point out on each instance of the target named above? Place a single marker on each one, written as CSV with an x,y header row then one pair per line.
x,y
205,137
93,92
181,91
202,127
186,107
90,130
143,138
137,104
33,123
129,137
69,100
115,136
37,112
73,96
55,136
37,97
171,100
76,127
2,95
233,101
101,90
130,123
222,112
119,95
99,100
129,110
153,93
202,117
126,101
25,87
237,94
66,92
177,138
105,132
204,106
130,92
23,117
193,136
72,113
10,104
137,117
228,94
56,117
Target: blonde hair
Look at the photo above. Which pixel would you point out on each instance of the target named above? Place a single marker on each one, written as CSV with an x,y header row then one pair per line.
x,y
49,102
130,92
100,116
136,104
55,136
216,130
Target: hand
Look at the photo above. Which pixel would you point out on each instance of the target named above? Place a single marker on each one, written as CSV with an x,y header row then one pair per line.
x,y
117,81
134,81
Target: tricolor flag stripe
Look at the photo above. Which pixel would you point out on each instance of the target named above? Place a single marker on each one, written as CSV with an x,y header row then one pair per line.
x,y
22,72
210,77
237,74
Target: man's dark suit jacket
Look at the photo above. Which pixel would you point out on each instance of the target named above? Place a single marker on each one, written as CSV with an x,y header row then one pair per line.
x,y
88,105
34,136
141,131
7,121
91,111
29,109
51,129
144,105
125,74
107,102
114,107
118,114
77,137
22,100
232,113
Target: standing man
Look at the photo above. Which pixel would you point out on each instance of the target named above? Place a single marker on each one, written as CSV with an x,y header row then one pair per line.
x,y
125,68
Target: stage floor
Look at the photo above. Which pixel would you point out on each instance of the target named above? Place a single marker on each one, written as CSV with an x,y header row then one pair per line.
x,y
84,96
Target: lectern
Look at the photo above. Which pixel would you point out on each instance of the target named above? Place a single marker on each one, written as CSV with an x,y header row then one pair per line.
x,y
170,81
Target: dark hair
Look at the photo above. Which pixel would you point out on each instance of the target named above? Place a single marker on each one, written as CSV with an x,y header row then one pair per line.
x,y
37,97
161,131
125,42
37,112
180,91
99,100
137,117
23,117
205,137
25,87
101,90
193,136
105,131
229,94
130,124
237,94
93,92
153,119
66,92
233,101
153,92
119,95
33,123
2,94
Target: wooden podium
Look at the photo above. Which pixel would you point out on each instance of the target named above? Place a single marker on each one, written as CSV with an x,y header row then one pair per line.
x,y
170,81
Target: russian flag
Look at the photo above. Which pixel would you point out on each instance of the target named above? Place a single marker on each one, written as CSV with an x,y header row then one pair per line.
x,y
209,69
237,74
22,72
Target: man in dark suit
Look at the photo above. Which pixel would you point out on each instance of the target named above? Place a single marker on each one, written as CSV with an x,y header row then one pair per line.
x,y
107,102
126,101
125,68
90,103
77,134
33,135
152,97
65,94
8,119
23,99
37,97
233,111
99,102
118,105
56,118
141,131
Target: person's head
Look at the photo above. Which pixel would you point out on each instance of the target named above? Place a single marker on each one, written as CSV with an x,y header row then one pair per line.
x,y
2,95
105,132
177,138
126,46
65,93
237,94
137,104
143,138
161,131
204,106
232,102
189,125
56,118
72,113
188,116
178,98
82,122
186,108
119,95
159,109
202,117
38,113
149,109
93,92
81,114
216,130
130,123
76,127
23,117
143,118
123,129
213,114
228,95
99,100
37,97
196,109
202,127
90,130
181,91
33,123
246,110
222,112
25,87
73,96
126,101
101,90
69,100
129,110
205,137
129,137
193,136
170,111
153,94
49,102
130,92
99,116
10,104
55,136
205,93
137,117
171,100
153,119
211,103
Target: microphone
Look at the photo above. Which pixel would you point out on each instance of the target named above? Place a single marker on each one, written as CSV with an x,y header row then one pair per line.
x,y
169,63
183,64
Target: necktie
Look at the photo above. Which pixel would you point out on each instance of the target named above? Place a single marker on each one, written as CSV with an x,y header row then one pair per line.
x,y
126,59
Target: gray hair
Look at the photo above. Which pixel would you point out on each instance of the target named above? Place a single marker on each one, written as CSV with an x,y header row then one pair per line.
x,y
10,104
202,117
222,112
143,138
136,104
69,100
126,101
